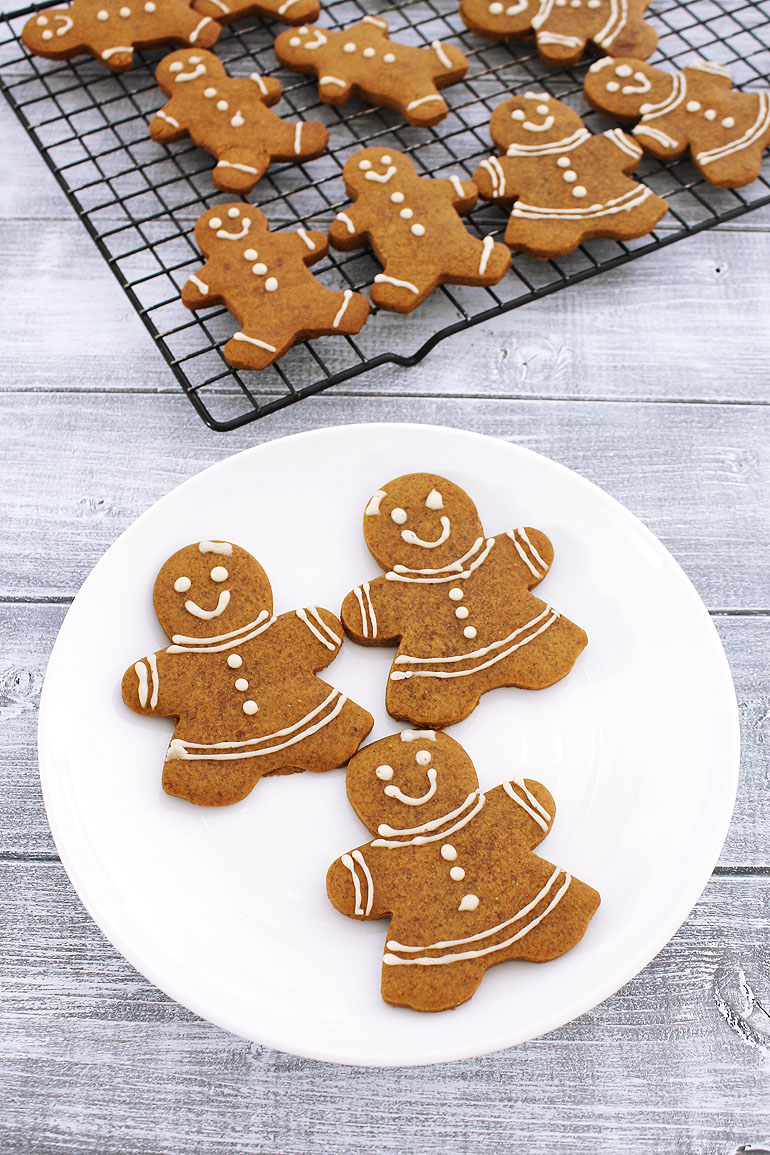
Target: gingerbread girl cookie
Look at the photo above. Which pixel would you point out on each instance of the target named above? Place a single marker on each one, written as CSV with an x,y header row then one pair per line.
x,y
453,869
110,30
241,682
263,280
697,108
287,11
563,28
414,227
457,603
230,118
362,61
568,185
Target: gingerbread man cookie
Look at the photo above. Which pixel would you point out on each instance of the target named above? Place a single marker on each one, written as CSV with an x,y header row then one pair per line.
x,y
453,869
568,185
363,61
563,28
697,108
287,11
241,682
230,118
263,280
457,603
414,227
110,30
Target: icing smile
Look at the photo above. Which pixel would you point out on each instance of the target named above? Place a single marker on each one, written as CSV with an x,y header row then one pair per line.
x,y
393,791
411,538
199,70
222,604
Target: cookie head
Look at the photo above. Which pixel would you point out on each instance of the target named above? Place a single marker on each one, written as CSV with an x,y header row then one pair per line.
x,y
297,46
372,167
420,522
237,222
52,32
531,120
409,779
189,68
211,588
625,86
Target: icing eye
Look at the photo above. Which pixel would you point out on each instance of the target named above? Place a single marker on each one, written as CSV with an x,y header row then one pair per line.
x,y
215,223
232,213
542,109
250,254
384,773
535,95
195,60
398,515
349,47
518,114
177,66
623,70
397,197
219,573
389,58
385,159
422,757
42,21
434,500
613,86
365,165
182,585
295,42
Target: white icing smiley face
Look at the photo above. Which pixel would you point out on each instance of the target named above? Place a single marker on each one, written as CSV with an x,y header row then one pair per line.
x,y
391,790
420,521
626,85
230,223
210,588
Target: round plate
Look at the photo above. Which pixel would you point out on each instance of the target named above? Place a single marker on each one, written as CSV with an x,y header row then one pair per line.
x,y
226,909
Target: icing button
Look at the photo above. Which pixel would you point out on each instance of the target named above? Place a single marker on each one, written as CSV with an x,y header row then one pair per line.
x,y
693,106
728,122
250,707
235,661
563,162
579,191
469,902
448,852
241,684
456,594
495,9
271,284
569,176
461,612
389,58
457,874
470,631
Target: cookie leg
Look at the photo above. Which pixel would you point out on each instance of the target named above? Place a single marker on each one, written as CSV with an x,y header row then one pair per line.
x,y
239,169
250,348
302,140
398,292
545,660
330,747
637,39
734,170
425,111
562,928
480,262
544,239
210,783
560,51
431,988
425,702
346,312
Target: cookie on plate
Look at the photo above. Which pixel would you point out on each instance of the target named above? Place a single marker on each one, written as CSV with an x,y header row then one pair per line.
x,y
240,681
698,108
457,603
565,185
453,869
362,60
230,118
413,225
110,30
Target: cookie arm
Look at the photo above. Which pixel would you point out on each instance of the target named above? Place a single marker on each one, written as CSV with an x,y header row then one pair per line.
x,y
165,126
268,87
368,614
524,809
354,885
463,194
498,177
145,686
347,231
316,632
310,246
196,292
623,150
529,551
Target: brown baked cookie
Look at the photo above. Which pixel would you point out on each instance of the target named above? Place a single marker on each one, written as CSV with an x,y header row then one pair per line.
x,y
567,185
287,11
453,869
230,118
414,227
262,278
240,682
362,61
563,28
110,30
457,603
697,108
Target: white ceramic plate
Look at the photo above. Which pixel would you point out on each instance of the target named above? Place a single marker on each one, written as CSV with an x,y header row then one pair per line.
x,y
226,909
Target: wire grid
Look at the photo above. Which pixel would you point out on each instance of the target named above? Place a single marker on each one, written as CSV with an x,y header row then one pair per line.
x,y
139,200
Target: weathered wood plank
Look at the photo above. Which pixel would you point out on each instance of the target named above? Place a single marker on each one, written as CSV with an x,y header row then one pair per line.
x,y
95,1059
27,633
697,475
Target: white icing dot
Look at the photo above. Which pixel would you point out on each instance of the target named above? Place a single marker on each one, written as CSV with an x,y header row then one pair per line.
x,y
448,852
295,42
613,86
215,223
177,66
398,515
233,213
124,12
195,60
250,707
397,197
728,122
518,114
693,106
250,254
495,9
563,162
710,114
456,594
389,58
209,92
422,757
369,53
42,21
561,3
102,14
470,631
407,214
349,47
574,3
219,573
237,120
386,159
222,105
644,108
241,684
234,661
457,874
271,284
149,6
259,269
365,165
182,585
462,612
578,191
384,773
469,902
542,109
593,3
623,70
48,34
570,176
418,230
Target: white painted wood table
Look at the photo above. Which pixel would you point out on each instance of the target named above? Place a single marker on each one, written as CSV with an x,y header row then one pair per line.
x,y
654,382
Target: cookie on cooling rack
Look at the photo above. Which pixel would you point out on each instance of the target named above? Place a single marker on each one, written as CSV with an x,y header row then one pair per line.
x,y
362,60
564,28
285,11
566,186
262,278
453,869
413,225
230,118
110,30
726,131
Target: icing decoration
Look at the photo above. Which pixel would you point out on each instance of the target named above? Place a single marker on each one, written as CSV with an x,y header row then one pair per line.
x,y
385,773
418,735
222,547
219,574
393,791
222,604
141,674
433,500
182,585
467,902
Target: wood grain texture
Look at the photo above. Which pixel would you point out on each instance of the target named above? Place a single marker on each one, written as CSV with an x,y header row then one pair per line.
x,y
96,1060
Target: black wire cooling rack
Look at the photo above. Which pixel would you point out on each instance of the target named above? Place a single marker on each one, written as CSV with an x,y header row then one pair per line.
x,y
139,200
